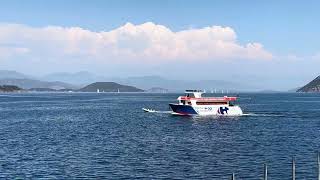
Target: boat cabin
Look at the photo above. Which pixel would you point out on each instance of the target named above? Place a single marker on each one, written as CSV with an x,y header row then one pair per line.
x,y
193,93
194,97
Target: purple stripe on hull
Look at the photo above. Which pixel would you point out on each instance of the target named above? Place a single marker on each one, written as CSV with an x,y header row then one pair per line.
x,y
183,109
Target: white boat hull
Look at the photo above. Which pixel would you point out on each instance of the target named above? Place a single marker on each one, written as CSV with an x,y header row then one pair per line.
x,y
206,110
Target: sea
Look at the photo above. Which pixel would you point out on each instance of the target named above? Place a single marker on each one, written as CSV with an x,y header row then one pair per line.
x,y
108,136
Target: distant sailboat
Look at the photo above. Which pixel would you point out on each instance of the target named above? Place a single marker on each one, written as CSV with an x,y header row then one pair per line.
x,y
118,90
98,91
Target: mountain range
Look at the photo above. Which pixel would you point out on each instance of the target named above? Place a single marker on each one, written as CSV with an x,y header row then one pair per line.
x,y
147,82
31,83
79,78
27,82
63,80
6,74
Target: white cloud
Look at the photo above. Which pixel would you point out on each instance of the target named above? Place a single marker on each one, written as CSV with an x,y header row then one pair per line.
x,y
131,43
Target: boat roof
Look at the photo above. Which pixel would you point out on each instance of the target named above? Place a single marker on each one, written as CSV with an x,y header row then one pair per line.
x,y
225,98
193,91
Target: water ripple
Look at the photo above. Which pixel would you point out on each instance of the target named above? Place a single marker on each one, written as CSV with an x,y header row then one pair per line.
x,y
107,136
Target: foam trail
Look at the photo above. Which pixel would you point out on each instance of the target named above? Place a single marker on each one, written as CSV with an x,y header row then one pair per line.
x,y
248,114
155,111
264,115
164,112
244,114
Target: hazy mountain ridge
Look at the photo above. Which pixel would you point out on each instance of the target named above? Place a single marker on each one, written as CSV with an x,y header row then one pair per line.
x,y
157,90
7,74
80,79
147,82
31,83
50,90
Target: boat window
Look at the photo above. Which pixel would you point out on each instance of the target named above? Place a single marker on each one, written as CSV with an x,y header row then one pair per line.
x,y
190,95
211,103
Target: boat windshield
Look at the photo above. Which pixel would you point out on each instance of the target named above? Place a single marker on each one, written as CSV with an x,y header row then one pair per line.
x,y
191,95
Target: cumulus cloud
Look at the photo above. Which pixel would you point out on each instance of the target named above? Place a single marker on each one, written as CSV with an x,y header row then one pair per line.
x,y
133,43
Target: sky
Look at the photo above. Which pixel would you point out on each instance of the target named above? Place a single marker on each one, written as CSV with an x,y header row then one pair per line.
x,y
272,44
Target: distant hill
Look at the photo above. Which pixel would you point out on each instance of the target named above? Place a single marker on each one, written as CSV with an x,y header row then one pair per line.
x,y
313,86
42,89
157,90
49,90
147,82
9,88
31,83
109,87
5,74
81,77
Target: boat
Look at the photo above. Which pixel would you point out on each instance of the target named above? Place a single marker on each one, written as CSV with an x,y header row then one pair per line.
x,y
192,103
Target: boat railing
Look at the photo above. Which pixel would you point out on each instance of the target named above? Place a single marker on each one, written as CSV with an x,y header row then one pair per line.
x,y
208,98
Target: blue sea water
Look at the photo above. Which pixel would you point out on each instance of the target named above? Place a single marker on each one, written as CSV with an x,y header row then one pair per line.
x,y
108,136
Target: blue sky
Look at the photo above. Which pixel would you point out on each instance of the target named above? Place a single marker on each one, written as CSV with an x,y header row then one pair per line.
x,y
289,30
283,26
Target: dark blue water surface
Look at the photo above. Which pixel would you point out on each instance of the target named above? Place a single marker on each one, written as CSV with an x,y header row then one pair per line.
x,y
108,136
